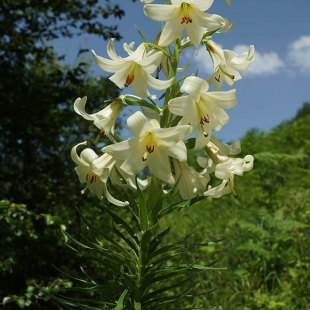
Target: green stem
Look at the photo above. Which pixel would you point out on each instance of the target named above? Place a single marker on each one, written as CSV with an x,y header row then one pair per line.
x,y
142,261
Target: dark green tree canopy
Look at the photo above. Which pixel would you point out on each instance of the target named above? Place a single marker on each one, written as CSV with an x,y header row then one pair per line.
x,y
37,123
38,126
27,25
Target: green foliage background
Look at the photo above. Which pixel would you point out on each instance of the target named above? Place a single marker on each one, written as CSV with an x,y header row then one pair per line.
x,y
266,229
267,250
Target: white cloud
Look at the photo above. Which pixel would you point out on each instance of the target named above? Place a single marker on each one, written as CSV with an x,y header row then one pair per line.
x,y
299,53
264,64
202,61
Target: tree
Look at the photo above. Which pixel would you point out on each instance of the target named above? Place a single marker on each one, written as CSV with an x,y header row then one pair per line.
x,y
38,127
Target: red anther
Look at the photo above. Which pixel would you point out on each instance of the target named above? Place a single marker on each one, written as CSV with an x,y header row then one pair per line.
x,y
129,80
205,119
144,158
87,177
186,20
150,149
102,134
93,179
218,79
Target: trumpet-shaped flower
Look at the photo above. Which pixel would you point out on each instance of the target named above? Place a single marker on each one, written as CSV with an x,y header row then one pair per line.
x,y
104,119
152,146
95,176
189,180
134,70
201,109
227,64
185,15
225,170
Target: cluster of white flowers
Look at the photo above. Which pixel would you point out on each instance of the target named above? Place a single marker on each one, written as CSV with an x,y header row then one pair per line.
x,y
185,120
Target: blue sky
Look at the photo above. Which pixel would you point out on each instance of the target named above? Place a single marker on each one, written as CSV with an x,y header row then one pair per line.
x,y
277,82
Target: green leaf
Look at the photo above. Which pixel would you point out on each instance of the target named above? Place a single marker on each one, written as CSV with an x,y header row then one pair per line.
x,y
108,238
156,241
49,219
21,303
165,273
97,288
143,216
120,303
145,241
161,202
120,222
166,288
6,299
180,205
134,247
165,249
137,305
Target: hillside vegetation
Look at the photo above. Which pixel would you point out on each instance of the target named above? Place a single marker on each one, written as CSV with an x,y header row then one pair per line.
x,y
267,228
263,258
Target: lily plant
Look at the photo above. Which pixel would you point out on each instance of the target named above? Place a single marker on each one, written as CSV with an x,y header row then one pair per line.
x,y
148,169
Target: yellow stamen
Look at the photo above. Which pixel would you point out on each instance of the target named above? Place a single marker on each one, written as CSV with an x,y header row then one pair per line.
x,y
186,19
144,157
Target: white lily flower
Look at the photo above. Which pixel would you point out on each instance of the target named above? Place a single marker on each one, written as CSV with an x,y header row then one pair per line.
x,y
185,15
95,177
190,181
219,148
152,146
134,70
216,149
201,109
104,119
226,170
227,64
116,174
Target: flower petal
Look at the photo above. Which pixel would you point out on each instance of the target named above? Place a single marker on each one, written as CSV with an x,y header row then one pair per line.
x,y
160,12
159,84
139,125
111,51
203,5
171,31
79,108
221,99
107,64
194,86
178,151
159,164
172,135
183,106
74,156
